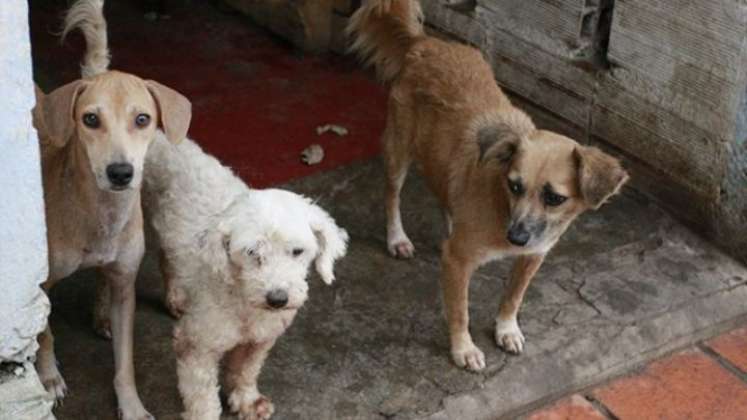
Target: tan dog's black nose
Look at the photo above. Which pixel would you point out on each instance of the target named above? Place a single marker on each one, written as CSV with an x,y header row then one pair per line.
x,y
120,174
518,234
277,298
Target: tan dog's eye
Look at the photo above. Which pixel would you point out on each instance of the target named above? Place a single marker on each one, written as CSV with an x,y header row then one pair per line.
x,y
552,199
142,120
91,120
297,251
515,187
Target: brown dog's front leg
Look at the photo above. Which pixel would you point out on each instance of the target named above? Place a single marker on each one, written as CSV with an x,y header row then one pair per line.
x,y
121,281
243,365
456,275
507,333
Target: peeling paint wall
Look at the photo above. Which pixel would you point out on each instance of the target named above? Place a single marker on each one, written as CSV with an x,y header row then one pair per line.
x,y
23,243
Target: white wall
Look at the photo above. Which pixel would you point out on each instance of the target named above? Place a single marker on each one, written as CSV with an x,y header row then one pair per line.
x,y
23,244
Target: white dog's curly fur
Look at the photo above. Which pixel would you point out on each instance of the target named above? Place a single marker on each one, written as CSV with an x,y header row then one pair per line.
x,y
235,262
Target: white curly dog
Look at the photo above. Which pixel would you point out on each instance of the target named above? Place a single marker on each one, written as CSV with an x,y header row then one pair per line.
x,y
235,262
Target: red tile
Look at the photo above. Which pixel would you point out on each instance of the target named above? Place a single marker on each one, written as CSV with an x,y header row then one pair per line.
x,y
688,385
732,346
576,407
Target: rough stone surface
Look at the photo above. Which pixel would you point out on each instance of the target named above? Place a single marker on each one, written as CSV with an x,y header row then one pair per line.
x,y
23,253
624,285
666,390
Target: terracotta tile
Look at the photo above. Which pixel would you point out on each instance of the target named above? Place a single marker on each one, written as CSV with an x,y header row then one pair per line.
x,y
732,346
575,407
688,385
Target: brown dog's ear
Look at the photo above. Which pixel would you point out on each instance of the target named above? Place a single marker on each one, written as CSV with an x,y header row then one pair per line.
x,y
55,113
174,110
501,138
599,175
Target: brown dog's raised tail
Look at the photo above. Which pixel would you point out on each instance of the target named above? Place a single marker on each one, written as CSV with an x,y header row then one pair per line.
x,y
88,16
384,31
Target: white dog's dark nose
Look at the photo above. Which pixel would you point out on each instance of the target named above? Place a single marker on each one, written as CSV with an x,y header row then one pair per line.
x,y
120,174
277,298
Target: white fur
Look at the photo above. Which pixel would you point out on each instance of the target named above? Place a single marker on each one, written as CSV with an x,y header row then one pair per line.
x,y
227,247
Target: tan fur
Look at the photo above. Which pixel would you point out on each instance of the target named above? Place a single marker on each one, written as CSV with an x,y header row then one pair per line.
x,y
91,222
447,114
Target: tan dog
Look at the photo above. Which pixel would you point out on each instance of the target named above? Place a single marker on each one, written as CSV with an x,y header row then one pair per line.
x,y
94,135
507,188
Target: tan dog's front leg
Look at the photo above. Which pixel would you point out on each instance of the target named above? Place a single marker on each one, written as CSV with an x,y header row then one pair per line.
x,y
121,280
456,275
507,333
242,369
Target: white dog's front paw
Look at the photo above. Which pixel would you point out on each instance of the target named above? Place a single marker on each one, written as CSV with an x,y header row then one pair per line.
x,y
52,380
468,356
508,336
259,408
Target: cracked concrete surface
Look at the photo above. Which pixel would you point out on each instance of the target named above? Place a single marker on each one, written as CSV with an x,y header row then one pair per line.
x,y
624,285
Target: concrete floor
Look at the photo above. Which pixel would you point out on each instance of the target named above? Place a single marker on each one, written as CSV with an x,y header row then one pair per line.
x,y
625,284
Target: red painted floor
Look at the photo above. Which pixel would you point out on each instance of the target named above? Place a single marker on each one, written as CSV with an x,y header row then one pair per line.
x,y
256,100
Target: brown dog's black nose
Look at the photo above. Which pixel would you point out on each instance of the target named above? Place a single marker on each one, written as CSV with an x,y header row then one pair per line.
x,y
120,174
277,298
518,234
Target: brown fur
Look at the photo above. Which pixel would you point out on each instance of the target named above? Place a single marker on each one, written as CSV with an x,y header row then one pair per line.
x,y
447,114
91,222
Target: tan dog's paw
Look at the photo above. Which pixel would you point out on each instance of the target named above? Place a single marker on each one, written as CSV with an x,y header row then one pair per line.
x,y
53,383
402,248
176,302
469,356
508,336
260,408
130,408
102,327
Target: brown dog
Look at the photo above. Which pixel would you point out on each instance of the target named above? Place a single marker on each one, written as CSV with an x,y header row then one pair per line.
x,y
94,134
507,188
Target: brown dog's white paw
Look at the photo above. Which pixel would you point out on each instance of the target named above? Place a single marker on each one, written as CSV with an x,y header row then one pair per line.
x,y
508,335
260,408
402,248
131,408
53,383
469,356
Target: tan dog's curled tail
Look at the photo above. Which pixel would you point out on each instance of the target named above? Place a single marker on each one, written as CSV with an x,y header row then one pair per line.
x,y
88,16
384,31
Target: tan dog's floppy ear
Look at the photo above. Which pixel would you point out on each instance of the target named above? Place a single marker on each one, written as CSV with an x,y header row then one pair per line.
x,y
332,240
56,112
174,110
501,139
599,175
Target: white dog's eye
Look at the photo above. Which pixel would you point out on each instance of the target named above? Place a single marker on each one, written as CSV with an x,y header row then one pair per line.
x,y
297,251
250,252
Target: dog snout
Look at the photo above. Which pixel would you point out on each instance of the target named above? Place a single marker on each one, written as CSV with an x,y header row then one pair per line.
x,y
518,234
120,174
277,298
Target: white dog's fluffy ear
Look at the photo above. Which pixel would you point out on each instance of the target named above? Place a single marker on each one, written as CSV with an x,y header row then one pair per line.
x,y
332,240
214,245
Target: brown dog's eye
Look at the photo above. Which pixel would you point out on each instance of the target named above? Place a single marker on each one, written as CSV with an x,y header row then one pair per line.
x,y
552,199
297,251
142,120
91,120
515,187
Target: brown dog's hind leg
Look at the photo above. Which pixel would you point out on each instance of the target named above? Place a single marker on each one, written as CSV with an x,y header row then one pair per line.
x,y
101,308
397,164
243,365
456,275
508,336
46,365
